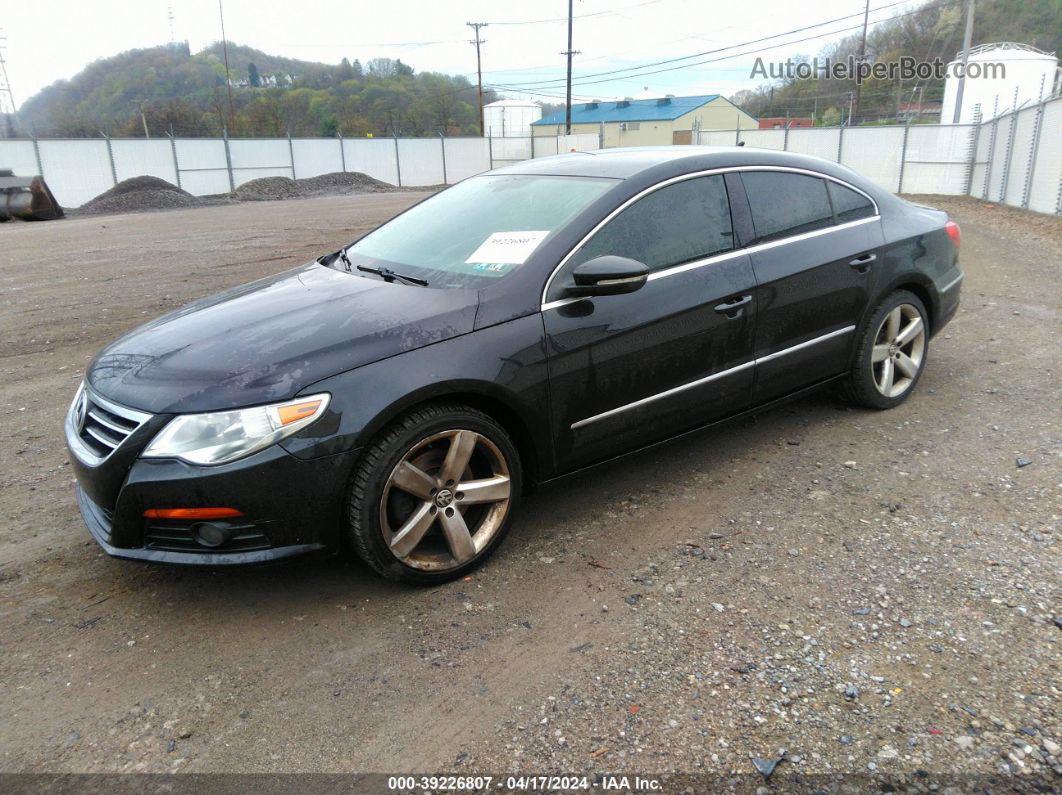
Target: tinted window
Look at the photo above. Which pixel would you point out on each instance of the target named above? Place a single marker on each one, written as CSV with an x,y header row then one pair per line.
x,y
786,204
849,205
685,221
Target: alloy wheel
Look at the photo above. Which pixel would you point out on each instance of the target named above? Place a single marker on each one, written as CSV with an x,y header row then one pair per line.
x,y
899,350
445,500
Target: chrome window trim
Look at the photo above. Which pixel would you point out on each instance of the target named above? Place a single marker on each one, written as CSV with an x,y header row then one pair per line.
x,y
544,304
712,377
952,283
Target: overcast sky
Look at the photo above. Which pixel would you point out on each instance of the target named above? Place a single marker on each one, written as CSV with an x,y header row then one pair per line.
x,y
49,41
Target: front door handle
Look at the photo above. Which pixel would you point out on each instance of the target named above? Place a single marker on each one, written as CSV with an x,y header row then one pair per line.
x,y
862,262
732,307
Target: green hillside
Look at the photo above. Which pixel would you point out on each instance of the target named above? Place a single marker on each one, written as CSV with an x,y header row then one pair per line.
x,y
185,93
935,30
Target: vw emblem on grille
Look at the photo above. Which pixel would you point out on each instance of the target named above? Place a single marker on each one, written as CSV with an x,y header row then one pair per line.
x,y
80,412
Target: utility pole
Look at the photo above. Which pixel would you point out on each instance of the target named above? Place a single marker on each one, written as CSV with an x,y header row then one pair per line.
x,y
862,57
143,118
479,69
967,40
5,88
568,93
225,52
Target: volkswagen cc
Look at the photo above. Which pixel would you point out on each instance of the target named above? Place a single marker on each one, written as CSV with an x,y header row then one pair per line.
x,y
399,395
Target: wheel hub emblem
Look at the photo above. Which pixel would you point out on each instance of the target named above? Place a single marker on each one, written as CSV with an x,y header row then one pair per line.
x,y
444,498
894,349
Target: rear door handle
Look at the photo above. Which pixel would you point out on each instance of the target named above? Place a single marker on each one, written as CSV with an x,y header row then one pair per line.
x,y
732,307
862,262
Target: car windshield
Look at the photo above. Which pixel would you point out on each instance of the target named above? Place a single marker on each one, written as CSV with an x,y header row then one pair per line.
x,y
482,228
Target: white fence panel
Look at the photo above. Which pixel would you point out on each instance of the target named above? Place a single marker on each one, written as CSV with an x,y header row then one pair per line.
x,y
716,138
144,157
19,157
1045,195
505,151
820,143
875,153
1000,129
316,156
204,169
545,146
421,161
578,142
373,156
937,159
980,167
764,139
1021,149
76,171
466,157
255,158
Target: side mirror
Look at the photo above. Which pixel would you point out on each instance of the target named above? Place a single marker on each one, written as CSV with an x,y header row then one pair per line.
x,y
608,275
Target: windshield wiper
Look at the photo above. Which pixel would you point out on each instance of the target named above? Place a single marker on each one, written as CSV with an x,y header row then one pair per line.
x,y
386,274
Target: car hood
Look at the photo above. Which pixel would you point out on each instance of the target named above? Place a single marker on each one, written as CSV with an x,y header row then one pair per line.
x,y
269,339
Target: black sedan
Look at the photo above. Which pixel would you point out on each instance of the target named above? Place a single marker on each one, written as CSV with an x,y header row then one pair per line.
x,y
399,395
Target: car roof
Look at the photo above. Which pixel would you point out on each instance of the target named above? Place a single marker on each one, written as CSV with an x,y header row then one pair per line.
x,y
667,161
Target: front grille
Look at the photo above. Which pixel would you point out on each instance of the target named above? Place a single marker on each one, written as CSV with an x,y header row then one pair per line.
x,y
101,426
103,430
180,537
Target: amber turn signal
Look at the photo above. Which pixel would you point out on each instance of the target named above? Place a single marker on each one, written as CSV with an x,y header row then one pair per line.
x,y
297,411
192,513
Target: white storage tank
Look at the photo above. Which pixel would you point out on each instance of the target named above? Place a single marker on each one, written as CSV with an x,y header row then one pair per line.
x,y
510,118
1029,70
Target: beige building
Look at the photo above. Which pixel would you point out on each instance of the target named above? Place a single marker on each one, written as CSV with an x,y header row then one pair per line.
x,y
649,122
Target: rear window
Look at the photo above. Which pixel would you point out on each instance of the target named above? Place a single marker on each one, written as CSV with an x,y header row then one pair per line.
x,y
849,205
785,204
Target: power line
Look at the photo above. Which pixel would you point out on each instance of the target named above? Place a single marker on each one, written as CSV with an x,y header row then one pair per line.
x,y
715,51
516,86
614,12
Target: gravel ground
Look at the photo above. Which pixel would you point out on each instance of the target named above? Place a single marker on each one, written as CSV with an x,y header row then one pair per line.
x,y
874,594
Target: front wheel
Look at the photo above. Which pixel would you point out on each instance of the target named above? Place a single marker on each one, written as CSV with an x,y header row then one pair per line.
x,y
891,353
434,494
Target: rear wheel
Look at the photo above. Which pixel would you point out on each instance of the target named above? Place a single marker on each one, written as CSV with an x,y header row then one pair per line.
x,y
434,494
892,352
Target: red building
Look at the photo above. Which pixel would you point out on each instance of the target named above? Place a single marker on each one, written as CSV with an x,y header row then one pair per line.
x,y
779,122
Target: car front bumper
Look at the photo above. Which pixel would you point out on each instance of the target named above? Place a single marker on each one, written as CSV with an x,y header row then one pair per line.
x,y
289,506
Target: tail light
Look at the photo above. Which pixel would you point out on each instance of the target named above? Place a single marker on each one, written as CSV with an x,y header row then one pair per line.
x,y
952,229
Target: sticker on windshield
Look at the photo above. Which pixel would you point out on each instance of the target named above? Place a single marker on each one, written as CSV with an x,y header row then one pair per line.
x,y
507,248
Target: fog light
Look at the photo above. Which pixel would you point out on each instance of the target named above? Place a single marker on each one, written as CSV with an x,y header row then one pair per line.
x,y
211,534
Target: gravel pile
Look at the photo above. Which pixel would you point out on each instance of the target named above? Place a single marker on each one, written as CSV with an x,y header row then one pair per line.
x,y
336,183
140,193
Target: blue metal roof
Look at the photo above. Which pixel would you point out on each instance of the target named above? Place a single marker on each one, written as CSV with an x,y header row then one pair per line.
x,y
629,110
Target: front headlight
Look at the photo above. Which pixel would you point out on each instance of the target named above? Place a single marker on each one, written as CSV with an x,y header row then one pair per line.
x,y
223,436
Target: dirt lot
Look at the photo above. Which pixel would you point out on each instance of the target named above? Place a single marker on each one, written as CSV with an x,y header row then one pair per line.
x,y
874,593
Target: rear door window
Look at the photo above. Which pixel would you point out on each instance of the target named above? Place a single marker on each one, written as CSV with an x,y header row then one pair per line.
x,y
847,204
785,204
686,221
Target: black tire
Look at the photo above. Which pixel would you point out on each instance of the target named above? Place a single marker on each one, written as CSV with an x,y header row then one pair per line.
x,y
378,461
860,386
